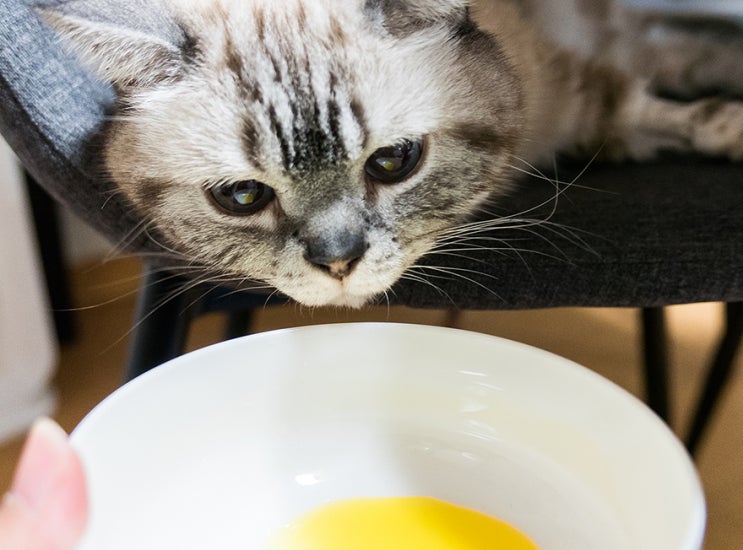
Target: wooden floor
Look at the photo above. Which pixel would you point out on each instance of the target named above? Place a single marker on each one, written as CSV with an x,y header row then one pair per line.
x,y
602,339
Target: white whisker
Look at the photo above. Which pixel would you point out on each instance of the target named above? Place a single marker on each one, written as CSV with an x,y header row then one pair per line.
x,y
455,272
420,278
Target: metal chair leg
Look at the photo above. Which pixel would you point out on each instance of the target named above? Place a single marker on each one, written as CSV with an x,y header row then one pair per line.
x,y
656,361
163,315
717,376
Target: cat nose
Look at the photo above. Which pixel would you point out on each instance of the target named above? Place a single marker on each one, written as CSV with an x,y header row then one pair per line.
x,y
337,257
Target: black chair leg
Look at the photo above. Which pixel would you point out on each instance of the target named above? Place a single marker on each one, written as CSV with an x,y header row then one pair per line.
x,y
656,361
238,323
46,222
164,313
718,375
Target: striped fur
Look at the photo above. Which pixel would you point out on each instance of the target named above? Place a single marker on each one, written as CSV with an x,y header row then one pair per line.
x,y
299,93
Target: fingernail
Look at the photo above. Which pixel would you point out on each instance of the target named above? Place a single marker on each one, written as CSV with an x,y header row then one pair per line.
x,y
37,470
9,501
50,431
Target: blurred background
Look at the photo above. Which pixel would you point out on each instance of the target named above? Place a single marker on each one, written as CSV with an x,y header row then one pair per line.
x,y
64,371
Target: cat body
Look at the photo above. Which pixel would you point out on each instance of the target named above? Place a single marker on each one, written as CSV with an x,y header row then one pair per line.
x,y
324,146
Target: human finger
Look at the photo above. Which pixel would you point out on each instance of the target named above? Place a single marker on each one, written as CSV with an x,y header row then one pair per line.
x,y
47,506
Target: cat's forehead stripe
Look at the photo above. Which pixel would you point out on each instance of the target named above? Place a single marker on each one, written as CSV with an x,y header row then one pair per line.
x,y
307,103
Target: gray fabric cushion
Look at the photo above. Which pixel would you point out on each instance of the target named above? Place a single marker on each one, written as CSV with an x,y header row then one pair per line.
x,y
50,111
670,232
643,235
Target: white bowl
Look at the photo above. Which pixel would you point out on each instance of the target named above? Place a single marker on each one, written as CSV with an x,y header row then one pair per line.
x,y
219,448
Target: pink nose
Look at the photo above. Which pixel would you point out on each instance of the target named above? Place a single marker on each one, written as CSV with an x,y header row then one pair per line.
x,y
337,257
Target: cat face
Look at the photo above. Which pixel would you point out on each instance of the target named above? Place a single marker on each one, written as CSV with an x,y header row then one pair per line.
x,y
317,145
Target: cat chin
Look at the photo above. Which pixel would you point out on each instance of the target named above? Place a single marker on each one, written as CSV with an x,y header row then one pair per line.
x,y
350,301
332,293
341,299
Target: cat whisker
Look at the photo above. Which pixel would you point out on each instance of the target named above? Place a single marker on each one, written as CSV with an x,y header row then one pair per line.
x,y
125,242
200,298
389,307
565,232
509,221
268,298
239,281
391,290
185,288
457,270
423,279
241,285
121,296
539,175
98,304
111,193
474,232
488,225
503,251
556,181
176,253
457,254
464,244
161,303
564,185
560,189
459,273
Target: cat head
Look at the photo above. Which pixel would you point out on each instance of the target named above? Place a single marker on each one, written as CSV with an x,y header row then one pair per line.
x,y
317,145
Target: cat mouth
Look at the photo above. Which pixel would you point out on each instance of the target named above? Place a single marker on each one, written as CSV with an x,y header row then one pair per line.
x,y
351,284
348,292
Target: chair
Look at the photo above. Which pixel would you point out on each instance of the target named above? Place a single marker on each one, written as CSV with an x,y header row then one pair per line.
x,y
640,236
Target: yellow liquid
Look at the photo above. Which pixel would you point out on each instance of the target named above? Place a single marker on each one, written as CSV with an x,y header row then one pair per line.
x,y
398,523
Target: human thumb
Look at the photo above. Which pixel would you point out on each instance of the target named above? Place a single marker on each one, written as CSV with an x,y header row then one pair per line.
x,y
47,507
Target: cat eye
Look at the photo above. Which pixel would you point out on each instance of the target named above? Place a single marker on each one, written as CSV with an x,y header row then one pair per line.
x,y
394,164
242,198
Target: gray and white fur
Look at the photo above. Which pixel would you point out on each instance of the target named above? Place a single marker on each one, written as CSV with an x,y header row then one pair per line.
x,y
299,94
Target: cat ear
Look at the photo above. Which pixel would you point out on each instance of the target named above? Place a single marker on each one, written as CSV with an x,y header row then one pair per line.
x,y
402,18
124,56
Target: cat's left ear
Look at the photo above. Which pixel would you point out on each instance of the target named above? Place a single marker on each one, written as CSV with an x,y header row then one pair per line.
x,y
405,17
125,56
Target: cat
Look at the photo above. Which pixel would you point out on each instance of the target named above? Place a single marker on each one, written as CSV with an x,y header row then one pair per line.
x,y
324,146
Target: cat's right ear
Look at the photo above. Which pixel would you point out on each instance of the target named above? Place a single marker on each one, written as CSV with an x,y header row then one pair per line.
x,y
126,57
